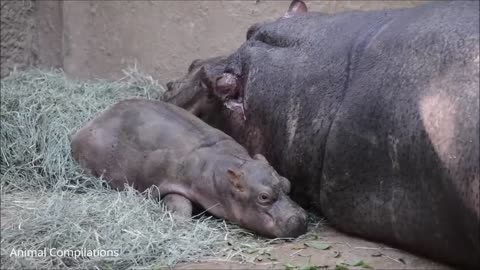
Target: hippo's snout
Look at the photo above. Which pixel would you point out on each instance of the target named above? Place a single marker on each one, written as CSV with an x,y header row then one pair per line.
x,y
295,226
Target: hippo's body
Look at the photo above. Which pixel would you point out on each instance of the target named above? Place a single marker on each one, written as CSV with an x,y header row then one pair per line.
x,y
374,118
149,143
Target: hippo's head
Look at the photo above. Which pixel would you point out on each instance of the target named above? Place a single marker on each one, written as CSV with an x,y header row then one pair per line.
x,y
194,92
209,83
256,197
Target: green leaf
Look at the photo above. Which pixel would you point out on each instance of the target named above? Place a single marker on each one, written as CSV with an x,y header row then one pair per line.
x,y
377,254
340,267
158,267
318,245
264,252
313,267
289,266
298,247
309,267
362,264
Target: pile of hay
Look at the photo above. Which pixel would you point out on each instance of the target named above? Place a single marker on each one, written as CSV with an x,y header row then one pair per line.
x,y
47,204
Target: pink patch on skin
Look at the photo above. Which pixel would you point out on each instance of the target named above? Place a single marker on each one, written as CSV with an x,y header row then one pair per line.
x,y
226,86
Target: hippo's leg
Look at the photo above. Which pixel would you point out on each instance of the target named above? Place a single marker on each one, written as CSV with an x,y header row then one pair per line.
x,y
178,204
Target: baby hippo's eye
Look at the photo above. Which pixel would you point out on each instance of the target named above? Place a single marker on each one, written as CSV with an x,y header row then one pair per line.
x,y
264,198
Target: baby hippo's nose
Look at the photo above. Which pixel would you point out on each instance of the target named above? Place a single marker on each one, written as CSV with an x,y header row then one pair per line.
x,y
296,225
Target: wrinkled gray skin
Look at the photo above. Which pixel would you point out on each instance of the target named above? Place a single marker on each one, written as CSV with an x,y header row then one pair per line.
x,y
372,115
151,143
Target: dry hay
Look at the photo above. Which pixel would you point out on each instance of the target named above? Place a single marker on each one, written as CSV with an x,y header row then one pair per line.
x,y
48,204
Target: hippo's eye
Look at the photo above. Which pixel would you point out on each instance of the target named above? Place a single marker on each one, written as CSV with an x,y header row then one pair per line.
x,y
264,198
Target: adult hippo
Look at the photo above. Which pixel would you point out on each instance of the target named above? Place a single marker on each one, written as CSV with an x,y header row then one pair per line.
x,y
148,143
373,116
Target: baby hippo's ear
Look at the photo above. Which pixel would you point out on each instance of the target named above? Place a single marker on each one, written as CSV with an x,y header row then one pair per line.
x,y
260,157
236,180
285,185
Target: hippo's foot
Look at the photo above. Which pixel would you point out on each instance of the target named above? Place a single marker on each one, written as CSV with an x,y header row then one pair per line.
x,y
178,204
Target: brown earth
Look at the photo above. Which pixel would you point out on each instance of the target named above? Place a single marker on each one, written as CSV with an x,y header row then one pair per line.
x,y
327,249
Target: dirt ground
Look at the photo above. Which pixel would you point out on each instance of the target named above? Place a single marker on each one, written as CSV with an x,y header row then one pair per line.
x,y
331,249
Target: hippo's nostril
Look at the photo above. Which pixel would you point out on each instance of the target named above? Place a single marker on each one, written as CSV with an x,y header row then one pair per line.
x,y
169,86
296,225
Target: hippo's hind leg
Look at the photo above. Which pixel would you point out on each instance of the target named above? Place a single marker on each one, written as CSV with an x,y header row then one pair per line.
x,y
178,204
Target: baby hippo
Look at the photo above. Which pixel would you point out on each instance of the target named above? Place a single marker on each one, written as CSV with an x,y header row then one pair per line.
x,y
147,143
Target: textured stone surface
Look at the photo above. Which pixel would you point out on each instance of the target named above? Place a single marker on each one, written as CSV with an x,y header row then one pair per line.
x,y
163,37
16,35
97,39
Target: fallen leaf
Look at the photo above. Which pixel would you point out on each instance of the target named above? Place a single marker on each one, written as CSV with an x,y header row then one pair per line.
x,y
289,266
359,263
158,267
340,267
336,254
318,245
298,247
377,254
310,267
362,264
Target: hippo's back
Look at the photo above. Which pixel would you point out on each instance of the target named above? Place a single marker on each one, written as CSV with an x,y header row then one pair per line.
x,y
156,124
117,141
405,140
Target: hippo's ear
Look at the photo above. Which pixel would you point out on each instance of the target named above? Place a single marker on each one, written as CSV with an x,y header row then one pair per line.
x,y
296,7
236,180
210,71
206,79
285,184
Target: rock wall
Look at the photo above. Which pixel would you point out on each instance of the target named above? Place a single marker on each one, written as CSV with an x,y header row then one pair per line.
x,y
97,39
16,35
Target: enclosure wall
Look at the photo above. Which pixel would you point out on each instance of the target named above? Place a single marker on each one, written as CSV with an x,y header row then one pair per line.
x,y
97,39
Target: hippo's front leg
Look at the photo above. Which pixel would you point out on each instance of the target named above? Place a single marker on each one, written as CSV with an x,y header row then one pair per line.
x,y
178,204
